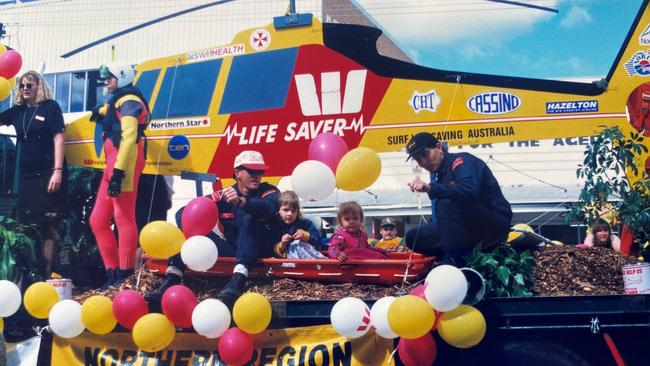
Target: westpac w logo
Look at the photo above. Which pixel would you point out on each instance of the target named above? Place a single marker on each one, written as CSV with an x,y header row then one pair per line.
x,y
330,91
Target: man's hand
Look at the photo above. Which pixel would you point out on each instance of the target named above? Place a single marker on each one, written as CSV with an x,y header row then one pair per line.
x,y
115,184
418,185
230,195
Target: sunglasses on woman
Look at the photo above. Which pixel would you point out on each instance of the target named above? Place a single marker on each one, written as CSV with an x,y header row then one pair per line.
x,y
25,86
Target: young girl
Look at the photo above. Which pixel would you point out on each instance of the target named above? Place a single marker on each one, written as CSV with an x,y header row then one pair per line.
x,y
300,238
350,241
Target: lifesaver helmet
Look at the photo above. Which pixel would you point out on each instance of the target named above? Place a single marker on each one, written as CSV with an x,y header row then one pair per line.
x,y
123,72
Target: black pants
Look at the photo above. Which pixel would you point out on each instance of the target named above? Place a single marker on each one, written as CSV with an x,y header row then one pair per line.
x,y
460,227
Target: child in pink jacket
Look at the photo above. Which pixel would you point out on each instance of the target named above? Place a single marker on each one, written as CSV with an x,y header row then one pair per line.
x,y
350,241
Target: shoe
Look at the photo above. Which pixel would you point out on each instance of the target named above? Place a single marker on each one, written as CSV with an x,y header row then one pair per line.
x,y
121,275
110,278
170,280
233,289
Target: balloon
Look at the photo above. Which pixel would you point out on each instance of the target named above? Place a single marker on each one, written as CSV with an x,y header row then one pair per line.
x,y
379,317
285,184
350,317
446,287
252,312
418,352
199,253
463,327
9,298
3,48
358,169
410,317
178,303
97,314
328,148
418,291
235,347
153,332
211,318
65,319
312,180
199,217
10,64
161,239
128,307
5,88
39,299
2,325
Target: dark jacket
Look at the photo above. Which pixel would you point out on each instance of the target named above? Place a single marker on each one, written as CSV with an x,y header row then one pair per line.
x,y
305,225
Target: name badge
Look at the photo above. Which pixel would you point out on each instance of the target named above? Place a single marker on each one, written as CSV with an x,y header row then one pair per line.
x,y
39,118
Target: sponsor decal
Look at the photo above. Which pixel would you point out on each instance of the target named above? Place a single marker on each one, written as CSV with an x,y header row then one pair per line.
x,y
428,101
493,103
355,84
179,123
578,106
639,64
178,147
644,38
260,39
456,163
215,53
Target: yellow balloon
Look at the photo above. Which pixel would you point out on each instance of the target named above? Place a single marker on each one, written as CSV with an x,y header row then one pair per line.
x,y
463,327
97,314
411,316
358,169
252,312
161,239
2,325
39,299
514,235
5,88
153,332
3,48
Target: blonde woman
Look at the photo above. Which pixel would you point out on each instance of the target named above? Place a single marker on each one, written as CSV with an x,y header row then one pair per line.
x,y
38,121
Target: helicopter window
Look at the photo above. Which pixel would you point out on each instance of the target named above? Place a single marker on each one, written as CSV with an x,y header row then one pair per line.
x,y
186,90
258,81
146,82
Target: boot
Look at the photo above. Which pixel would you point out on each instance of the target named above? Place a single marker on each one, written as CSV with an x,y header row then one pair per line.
x,y
233,289
170,280
121,275
110,278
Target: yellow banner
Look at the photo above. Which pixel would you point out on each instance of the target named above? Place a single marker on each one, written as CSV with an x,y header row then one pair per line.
x,y
315,345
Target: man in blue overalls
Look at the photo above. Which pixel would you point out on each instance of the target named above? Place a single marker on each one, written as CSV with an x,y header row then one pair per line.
x,y
247,211
469,205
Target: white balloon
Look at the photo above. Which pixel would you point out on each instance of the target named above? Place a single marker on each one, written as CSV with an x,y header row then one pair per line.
x,y
446,287
9,298
65,319
285,184
379,317
313,180
350,317
211,318
199,253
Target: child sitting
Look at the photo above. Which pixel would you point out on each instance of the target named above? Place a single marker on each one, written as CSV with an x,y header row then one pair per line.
x,y
299,237
350,241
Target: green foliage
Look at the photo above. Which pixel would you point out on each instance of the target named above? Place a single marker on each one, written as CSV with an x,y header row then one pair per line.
x,y
611,163
507,273
18,252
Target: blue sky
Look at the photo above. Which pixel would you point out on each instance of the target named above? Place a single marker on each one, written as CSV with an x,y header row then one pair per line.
x,y
581,41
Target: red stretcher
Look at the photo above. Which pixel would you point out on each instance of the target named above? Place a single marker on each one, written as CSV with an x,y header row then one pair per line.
x,y
395,269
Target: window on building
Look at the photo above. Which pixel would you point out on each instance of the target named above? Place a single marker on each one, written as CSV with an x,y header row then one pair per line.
x,y
193,85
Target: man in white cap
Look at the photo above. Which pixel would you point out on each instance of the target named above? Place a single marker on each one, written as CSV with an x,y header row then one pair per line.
x,y
247,211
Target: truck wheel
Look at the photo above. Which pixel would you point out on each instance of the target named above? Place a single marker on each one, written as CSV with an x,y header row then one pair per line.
x,y
538,352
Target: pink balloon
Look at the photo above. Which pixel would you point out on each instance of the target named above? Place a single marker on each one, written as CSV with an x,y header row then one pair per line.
x,y
178,303
235,347
418,291
128,307
418,352
199,217
10,64
327,148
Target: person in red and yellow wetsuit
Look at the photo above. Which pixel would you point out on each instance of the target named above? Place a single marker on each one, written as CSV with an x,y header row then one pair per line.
x,y
123,118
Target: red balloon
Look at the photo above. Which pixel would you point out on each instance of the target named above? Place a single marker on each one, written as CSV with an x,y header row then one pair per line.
x,y
418,352
178,303
10,64
418,291
199,217
328,148
128,307
235,347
